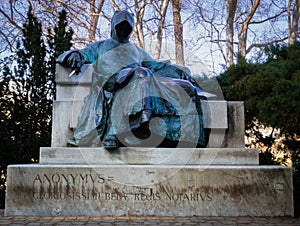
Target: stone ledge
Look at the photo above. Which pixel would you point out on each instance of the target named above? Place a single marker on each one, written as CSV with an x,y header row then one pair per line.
x,y
130,190
84,78
149,156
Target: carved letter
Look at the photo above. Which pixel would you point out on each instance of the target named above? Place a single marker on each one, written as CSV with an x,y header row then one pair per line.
x,y
37,178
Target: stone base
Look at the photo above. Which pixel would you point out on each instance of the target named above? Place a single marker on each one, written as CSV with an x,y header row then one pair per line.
x,y
144,190
149,156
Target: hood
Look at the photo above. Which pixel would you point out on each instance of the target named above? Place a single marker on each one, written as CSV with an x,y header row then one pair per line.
x,y
122,24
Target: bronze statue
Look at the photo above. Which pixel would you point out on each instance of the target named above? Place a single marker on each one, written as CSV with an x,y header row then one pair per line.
x,y
129,89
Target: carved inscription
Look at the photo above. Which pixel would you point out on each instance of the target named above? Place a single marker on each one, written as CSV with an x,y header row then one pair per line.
x,y
91,186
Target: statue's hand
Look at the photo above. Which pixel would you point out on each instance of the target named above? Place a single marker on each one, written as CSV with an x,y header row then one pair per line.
x,y
71,59
74,60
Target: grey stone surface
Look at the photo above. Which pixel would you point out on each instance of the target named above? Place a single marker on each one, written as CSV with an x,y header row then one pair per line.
x,y
71,93
234,135
61,117
130,190
73,88
84,78
150,156
146,220
214,114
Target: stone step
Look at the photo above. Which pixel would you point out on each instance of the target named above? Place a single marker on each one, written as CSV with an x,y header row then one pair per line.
x,y
137,190
149,156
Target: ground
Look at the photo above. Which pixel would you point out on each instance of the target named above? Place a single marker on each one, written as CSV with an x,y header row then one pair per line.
x,y
32,220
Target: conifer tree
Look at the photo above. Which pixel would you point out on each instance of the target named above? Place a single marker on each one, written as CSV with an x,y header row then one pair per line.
x,y
58,43
27,93
271,92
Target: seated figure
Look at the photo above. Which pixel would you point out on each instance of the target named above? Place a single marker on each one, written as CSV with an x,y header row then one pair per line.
x,y
135,100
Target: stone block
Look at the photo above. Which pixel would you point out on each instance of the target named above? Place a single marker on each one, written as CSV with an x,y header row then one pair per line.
x,y
71,93
84,78
235,134
131,190
62,114
149,156
214,114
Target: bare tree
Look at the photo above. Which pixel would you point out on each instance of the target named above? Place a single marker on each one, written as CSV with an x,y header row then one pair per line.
x,y
12,17
162,9
293,20
230,15
264,16
225,27
83,16
138,32
242,35
115,5
256,23
209,26
95,9
178,31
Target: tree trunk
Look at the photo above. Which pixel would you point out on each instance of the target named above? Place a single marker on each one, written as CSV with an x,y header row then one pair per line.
x,y
293,25
138,25
244,29
95,13
162,11
178,31
230,14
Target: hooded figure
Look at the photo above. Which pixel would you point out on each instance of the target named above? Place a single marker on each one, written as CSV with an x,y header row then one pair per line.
x,y
129,89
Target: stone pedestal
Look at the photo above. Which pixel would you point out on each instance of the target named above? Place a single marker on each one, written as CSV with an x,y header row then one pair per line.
x,y
223,179
149,181
149,156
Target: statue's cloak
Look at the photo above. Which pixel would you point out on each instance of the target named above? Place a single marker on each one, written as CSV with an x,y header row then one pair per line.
x,y
130,88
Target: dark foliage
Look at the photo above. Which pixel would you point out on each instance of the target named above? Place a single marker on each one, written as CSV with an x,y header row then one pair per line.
x,y
271,92
27,89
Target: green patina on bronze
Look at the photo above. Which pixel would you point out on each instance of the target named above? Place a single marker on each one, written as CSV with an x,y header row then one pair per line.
x,y
129,89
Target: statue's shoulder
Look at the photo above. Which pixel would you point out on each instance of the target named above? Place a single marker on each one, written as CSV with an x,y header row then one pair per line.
x,y
97,43
139,48
141,51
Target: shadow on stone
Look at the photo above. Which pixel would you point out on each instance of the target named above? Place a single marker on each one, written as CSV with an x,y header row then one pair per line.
x,y
296,183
